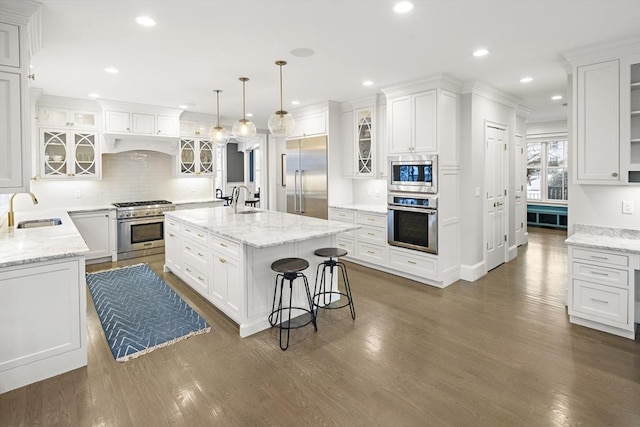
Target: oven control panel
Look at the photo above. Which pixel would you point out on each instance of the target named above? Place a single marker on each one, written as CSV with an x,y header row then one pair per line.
x,y
141,213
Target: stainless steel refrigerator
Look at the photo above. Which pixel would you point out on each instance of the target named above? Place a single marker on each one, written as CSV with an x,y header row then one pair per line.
x,y
307,177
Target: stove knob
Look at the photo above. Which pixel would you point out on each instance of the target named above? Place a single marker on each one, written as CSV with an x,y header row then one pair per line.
x,y
128,214
133,214
147,213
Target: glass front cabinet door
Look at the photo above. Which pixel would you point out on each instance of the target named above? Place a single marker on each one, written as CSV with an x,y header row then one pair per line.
x,y
196,157
66,154
364,142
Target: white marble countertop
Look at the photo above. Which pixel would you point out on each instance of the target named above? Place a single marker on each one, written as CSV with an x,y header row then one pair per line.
x,y
362,207
613,239
29,245
262,229
90,208
188,202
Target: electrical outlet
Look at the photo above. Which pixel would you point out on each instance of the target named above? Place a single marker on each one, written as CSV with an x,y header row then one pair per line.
x,y
477,191
377,193
78,195
627,206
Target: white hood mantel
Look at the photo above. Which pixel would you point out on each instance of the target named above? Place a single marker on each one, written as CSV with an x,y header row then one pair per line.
x,y
120,142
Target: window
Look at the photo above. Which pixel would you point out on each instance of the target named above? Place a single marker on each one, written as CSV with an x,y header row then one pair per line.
x,y
547,173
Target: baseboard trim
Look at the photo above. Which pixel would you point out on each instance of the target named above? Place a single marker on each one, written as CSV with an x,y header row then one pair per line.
x,y
513,253
471,273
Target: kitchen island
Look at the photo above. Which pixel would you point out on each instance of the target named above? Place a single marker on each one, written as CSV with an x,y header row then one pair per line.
x,y
226,256
42,300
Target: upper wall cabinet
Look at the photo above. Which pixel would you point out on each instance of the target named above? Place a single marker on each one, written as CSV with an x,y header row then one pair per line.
x,y
15,165
193,129
69,154
311,125
140,123
412,123
605,99
359,145
196,157
59,117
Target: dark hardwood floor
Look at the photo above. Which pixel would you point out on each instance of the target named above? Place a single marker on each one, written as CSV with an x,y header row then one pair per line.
x,y
496,352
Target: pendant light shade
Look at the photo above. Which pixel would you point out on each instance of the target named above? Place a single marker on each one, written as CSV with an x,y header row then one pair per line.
x,y
281,123
219,134
244,129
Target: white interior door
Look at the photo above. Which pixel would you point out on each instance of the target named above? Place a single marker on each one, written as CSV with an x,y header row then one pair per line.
x,y
520,204
496,236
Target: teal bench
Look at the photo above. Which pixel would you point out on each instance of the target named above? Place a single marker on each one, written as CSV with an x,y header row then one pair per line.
x,y
547,216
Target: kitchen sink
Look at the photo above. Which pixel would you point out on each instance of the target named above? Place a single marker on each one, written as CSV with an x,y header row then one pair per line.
x,y
39,223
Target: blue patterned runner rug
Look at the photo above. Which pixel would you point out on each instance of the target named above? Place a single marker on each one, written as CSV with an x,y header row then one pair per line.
x,y
139,312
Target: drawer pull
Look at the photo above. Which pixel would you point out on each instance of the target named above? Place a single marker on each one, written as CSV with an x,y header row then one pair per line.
x,y
601,301
222,260
172,235
604,258
200,254
201,278
411,262
598,273
187,230
188,271
341,245
371,252
200,235
223,245
371,219
371,234
188,248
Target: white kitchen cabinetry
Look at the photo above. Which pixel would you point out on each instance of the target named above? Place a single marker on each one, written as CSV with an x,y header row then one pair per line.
x,y
226,289
197,157
173,245
601,290
347,240
67,153
371,242
411,122
98,231
606,131
15,165
193,129
58,117
195,259
43,329
359,139
140,123
315,124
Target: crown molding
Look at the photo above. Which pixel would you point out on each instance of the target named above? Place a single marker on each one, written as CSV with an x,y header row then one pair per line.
x,y
491,93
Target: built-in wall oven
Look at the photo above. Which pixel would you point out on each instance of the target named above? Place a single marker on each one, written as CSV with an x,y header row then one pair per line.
x,y
413,173
141,227
413,221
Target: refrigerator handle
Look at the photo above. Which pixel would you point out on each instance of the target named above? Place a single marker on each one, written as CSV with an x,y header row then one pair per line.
x,y
295,191
301,194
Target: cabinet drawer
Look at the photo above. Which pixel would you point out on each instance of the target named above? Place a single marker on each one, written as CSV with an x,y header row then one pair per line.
x,y
196,277
604,257
604,275
603,302
342,215
196,233
375,220
173,225
418,264
346,244
372,234
226,246
195,254
373,253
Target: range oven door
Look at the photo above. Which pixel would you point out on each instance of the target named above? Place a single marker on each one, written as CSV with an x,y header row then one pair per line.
x,y
143,233
413,228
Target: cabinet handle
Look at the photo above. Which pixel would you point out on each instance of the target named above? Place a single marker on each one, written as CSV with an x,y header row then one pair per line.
x,y
341,244
188,271
222,260
159,131
601,301
371,252
187,230
171,235
371,219
598,273
615,174
128,129
371,234
201,278
200,235
223,245
411,262
188,248
200,254
604,258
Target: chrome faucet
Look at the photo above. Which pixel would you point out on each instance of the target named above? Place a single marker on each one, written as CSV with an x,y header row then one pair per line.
x,y
10,214
236,194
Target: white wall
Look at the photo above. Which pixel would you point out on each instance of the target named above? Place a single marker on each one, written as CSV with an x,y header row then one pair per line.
x,y
128,176
370,192
602,205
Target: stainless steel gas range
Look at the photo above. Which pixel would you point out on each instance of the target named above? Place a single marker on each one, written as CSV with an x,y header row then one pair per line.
x,y
141,227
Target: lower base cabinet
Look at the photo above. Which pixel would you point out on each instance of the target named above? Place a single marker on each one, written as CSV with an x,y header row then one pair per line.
x,y
42,321
98,231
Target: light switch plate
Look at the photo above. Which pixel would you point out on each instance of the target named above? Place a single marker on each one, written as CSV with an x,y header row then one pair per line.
x,y
627,206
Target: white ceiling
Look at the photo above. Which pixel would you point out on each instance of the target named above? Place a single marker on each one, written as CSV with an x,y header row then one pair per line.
x,y
198,46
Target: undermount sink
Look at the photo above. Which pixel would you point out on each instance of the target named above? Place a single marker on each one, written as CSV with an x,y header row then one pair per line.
x,y
49,222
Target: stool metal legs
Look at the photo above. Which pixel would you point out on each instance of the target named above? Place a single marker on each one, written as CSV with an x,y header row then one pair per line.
x,y
320,291
276,317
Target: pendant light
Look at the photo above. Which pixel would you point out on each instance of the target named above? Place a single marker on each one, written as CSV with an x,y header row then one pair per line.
x,y
281,123
244,129
219,135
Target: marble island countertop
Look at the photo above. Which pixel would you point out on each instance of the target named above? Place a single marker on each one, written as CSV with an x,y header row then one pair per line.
x,y
614,239
28,245
260,229
362,207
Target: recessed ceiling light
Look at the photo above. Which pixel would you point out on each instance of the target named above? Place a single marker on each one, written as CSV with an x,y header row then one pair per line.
x,y
367,83
302,52
30,65
481,52
112,70
556,97
183,106
295,102
145,21
403,7
94,95
526,79
249,114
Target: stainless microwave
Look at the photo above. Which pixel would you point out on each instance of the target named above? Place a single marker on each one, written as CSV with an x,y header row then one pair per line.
x,y
413,173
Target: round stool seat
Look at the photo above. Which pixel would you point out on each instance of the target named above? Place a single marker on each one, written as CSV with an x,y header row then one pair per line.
x,y
331,252
289,265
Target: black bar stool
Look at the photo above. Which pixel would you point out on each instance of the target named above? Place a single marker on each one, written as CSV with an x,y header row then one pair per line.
x,y
290,269
321,293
